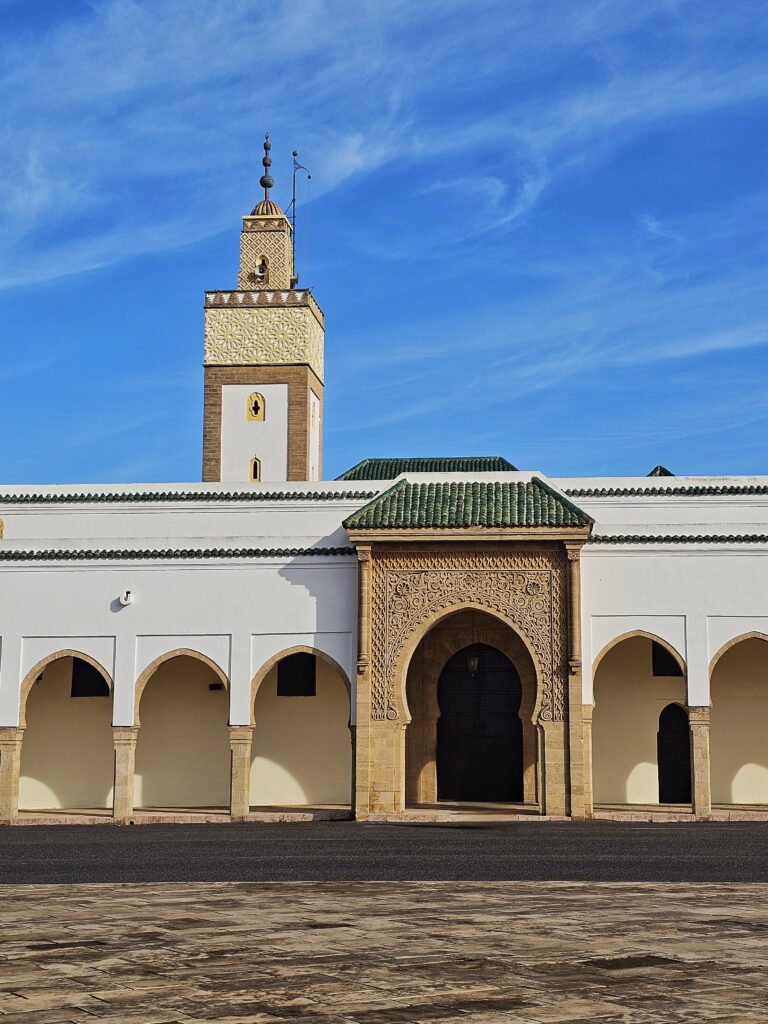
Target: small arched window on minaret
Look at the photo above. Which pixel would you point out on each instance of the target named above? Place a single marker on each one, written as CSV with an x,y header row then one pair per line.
x,y
261,274
255,407
255,470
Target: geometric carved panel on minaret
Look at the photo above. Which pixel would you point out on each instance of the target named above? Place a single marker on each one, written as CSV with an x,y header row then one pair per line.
x,y
411,588
273,245
267,336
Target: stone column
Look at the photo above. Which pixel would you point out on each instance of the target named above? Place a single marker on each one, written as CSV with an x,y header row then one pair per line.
x,y
554,761
240,738
586,722
124,739
530,794
362,731
575,697
10,762
701,792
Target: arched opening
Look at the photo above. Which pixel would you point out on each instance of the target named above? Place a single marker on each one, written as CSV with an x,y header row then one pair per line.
x,y
673,753
738,729
182,751
635,679
479,733
471,692
67,755
301,753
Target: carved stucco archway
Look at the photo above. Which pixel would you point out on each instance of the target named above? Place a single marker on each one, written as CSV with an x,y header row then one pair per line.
x,y
452,632
39,668
179,652
526,589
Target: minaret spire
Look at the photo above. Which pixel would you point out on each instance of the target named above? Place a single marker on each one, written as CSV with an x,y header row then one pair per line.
x,y
266,181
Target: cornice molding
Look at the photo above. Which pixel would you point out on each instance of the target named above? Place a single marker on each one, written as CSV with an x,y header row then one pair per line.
x,y
159,554
710,538
115,497
698,491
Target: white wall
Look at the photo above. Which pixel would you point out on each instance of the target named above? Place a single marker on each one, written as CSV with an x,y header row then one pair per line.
x,y
302,747
242,439
628,702
738,731
182,752
67,755
216,607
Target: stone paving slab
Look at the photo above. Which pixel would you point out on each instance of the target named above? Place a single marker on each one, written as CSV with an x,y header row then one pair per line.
x,y
384,953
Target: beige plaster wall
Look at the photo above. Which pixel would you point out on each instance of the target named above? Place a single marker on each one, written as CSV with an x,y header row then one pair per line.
x,y
67,752
628,702
738,731
182,753
302,749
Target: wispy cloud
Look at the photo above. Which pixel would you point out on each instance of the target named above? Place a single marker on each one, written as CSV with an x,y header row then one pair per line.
x,y
131,127
509,214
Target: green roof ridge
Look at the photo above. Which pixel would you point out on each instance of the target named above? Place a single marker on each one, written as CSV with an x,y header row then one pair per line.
x,y
389,468
461,504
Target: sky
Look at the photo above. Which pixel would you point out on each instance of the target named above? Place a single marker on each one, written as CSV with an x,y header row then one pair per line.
x,y
537,228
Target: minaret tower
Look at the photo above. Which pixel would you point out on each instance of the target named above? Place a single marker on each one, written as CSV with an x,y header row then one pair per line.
x,y
263,413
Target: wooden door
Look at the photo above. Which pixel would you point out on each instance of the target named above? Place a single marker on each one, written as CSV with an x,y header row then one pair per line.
x,y
479,732
673,744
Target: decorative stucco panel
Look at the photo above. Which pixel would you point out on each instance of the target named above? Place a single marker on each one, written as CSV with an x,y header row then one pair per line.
x,y
410,589
263,336
276,246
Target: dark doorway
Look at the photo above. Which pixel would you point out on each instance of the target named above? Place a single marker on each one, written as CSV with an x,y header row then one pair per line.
x,y
479,732
673,747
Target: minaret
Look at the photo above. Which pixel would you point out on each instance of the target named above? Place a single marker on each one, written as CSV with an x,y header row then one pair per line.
x,y
263,411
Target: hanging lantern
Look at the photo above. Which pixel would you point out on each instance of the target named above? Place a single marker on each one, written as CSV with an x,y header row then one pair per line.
x,y
473,663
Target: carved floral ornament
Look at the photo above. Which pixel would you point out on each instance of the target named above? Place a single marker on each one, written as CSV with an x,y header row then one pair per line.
x,y
410,592
263,336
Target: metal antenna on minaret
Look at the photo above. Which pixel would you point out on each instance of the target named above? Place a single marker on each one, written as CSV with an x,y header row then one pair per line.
x,y
296,168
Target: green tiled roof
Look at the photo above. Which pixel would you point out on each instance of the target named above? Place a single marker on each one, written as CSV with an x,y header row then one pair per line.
x,y
459,504
388,469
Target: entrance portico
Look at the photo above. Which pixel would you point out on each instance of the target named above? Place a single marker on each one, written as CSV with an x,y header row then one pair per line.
x,y
432,556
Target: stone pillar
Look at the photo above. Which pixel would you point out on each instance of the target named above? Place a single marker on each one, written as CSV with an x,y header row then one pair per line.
x,y
575,696
586,722
362,731
552,751
10,762
530,794
124,739
240,739
701,792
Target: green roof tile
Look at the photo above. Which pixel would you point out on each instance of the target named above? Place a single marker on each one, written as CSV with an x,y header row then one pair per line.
x,y
388,469
460,504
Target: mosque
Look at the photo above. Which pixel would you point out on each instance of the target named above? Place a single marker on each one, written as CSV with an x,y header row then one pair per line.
x,y
421,636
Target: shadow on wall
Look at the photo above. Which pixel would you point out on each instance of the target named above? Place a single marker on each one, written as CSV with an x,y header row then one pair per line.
x,y
738,731
67,756
302,746
628,701
182,753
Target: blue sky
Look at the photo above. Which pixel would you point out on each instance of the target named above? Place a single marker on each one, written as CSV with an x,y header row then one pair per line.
x,y
537,229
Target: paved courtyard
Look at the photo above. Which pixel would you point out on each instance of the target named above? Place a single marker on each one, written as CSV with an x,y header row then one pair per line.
x,y
379,953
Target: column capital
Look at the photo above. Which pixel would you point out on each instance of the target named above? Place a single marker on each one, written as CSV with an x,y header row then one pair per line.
x,y
573,550
698,714
125,734
240,734
11,735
